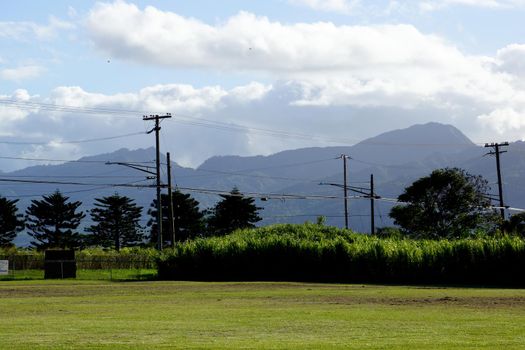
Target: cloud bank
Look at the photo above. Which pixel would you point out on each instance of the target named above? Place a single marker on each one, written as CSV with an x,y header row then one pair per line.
x,y
358,66
336,84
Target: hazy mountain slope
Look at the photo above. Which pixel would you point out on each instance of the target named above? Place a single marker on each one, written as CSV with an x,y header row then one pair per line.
x,y
413,144
395,158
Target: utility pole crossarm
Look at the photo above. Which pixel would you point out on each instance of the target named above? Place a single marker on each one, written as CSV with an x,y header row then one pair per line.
x,y
155,116
139,167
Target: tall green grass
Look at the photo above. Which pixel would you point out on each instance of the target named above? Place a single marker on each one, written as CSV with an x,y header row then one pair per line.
x,y
311,252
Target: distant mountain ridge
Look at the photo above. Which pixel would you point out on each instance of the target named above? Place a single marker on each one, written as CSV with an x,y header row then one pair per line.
x,y
396,158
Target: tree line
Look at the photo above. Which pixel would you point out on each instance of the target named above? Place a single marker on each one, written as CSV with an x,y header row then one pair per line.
x,y
449,203
53,221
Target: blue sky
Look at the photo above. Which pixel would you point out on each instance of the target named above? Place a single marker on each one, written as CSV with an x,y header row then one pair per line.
x,y
322,72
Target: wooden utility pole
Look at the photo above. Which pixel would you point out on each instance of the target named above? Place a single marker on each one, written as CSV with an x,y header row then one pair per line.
x,y
345,187
372,197
170,203
157,119
497,152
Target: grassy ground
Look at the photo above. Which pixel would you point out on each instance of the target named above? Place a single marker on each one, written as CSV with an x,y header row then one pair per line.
x,y
145,315
85,274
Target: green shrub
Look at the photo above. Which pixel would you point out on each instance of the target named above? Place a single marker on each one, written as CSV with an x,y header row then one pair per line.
x,y
94,258
311,252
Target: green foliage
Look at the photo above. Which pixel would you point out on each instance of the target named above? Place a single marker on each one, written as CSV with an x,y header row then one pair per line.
x,y
388,232
311,252
52,222
449,203
188,219
117,221
125,258
234,211
88,259
10,221
321,220
516,224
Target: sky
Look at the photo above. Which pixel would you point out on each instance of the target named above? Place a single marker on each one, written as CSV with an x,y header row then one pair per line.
x,y
252,77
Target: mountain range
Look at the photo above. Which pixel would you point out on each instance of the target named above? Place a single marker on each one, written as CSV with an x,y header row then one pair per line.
x,y
290,186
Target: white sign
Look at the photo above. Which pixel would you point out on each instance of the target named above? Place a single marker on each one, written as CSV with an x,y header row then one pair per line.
x,y
4,267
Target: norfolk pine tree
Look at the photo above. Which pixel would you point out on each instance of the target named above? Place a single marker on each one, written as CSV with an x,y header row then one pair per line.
x,y
117,221
10,221
233,212
52,222
188,219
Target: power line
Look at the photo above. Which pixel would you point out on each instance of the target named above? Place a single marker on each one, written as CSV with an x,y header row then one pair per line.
x,y
285,165
74,176
71,192
195,121
309,215
266,196
73,183
281,196
179,118
64,160
72,141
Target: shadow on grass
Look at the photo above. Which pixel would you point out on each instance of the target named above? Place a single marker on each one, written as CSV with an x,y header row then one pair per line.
x,y
123,275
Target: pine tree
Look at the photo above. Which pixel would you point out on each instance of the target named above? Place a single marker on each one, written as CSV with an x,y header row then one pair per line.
x,y
188,219
10,221
52,222
117,221
233,212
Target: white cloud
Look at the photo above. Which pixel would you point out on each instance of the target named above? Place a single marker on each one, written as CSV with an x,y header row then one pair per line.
x,y
387,60
248,42
344,81
21,73
511,59
502,4
10,114
251,92
174,98
505,121
194,140
377,66
24,30
340,6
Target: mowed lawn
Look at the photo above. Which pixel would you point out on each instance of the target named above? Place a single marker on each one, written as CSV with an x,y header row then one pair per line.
x,y
150,315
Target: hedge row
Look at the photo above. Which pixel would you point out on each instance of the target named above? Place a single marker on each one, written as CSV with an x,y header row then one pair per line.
x,y
126,258
316,253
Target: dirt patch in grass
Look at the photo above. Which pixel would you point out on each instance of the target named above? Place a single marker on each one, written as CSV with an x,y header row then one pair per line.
x,y
267,292
472,302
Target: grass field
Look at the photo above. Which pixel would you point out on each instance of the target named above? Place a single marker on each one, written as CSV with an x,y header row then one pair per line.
x,y
72,314
85,274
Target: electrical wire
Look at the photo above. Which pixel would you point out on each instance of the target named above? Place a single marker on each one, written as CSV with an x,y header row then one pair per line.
x,y
44,182
73,141
66,160
71,192
202,122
